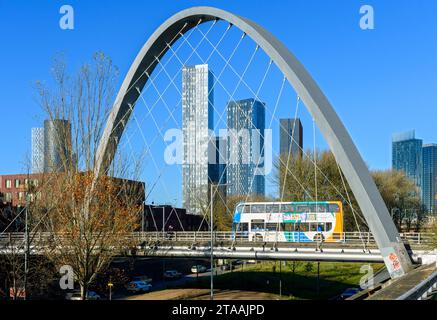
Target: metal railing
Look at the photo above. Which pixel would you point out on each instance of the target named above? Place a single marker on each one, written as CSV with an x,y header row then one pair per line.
x,y
353,238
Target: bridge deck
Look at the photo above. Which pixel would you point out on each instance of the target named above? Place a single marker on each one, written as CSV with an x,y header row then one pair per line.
x,y
398,287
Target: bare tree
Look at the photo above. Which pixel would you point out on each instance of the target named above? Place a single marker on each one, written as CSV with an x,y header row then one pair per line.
x,y
88,218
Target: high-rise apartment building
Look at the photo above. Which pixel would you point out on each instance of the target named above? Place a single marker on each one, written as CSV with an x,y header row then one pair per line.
x,y
429,187
291,137
246,128
57,145
37,150
197,123
407,156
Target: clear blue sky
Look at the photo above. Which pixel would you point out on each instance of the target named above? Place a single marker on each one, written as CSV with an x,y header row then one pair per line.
x,y
380,81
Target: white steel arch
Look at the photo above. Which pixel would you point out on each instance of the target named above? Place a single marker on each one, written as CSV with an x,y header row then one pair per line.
x,y
355,170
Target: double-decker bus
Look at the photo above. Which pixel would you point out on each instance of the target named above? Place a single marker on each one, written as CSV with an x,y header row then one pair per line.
x,y
289,221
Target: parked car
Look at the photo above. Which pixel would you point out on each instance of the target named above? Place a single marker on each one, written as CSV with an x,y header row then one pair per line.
x,y
349,292
138,286
198,269
74,296
172,274
93,296
146,279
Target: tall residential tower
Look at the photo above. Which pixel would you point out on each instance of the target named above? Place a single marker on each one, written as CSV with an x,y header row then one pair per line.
x,y
429,188
197,121
246,128
407,156
37,150
291,137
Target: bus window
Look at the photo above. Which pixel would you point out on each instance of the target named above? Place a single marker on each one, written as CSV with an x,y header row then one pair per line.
x,y
302,208
245,209
287,208
269,208
318,207
258,208
257,225
302,227
275,208
241,227
272,227
288,227
328,226
333,207
313,227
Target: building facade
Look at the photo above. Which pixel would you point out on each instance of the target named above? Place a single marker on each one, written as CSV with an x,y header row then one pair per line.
x,y
246,127
37,150
407,156
57,145
291,137
175,219
197,123
429,188
14,187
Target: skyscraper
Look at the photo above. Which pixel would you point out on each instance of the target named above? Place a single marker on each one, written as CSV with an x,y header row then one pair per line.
x,y
217,160
57,145
429,188
291,137
197,121
246,126
37,150
407,156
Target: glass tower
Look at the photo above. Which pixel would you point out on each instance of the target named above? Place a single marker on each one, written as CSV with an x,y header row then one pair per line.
x,y
429,188
197,123
407,156
291,137
246,126
37,150
57,145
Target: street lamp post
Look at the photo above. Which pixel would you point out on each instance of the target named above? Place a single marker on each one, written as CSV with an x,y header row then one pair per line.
x,y
212,235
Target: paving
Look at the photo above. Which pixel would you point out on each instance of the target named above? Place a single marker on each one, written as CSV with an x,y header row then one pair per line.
x,y
398,287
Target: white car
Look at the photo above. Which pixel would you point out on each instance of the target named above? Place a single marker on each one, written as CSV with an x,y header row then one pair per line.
x,y
138,286
77,296
198,269
74,296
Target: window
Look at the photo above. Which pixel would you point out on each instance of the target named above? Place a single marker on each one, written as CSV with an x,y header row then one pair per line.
x,y
334,208
288,227
246,209
17,183
241,227
275,208
303,208
328,227
257,225
8,197
272,227
302,227
8,184
313,227
287,208
258,208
